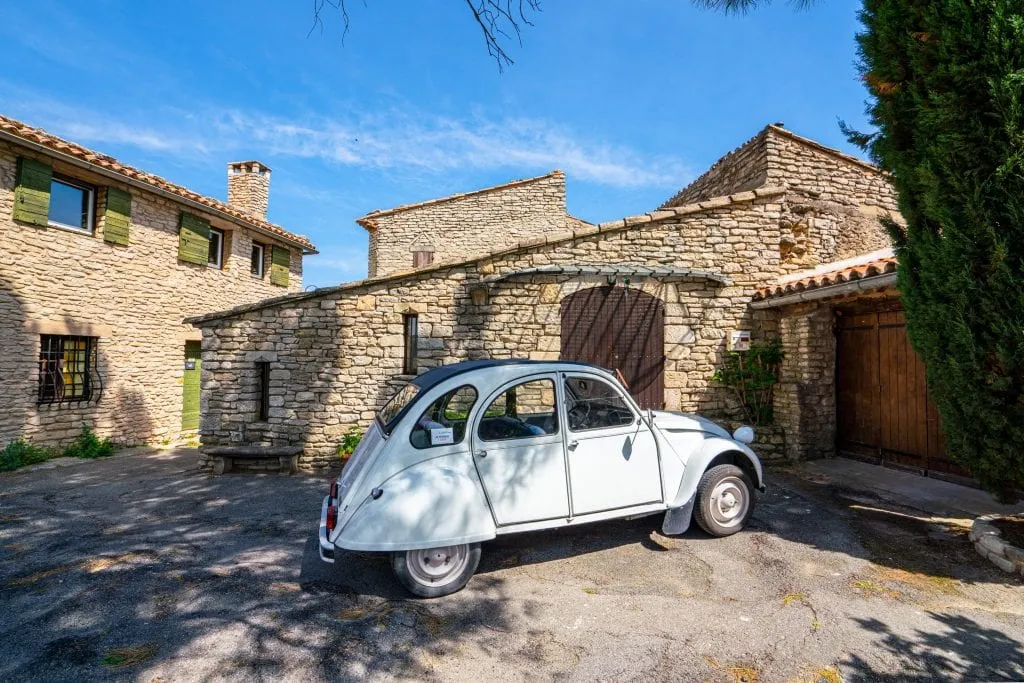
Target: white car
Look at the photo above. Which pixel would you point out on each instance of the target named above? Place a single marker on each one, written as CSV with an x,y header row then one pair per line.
x,y
468,451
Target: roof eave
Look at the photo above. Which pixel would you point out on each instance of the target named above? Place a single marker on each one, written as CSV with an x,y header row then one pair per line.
x,y
307,248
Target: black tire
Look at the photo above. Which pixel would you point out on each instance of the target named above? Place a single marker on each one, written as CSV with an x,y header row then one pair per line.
x,y
422,571
725,500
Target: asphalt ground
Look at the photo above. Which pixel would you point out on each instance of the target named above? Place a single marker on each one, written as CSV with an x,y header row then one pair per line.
x,y
140,567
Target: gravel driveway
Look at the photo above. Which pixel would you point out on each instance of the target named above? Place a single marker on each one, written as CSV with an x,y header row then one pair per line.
x,y
140,567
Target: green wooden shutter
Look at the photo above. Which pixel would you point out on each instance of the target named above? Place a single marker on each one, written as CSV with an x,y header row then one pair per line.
x,y
32,192
280,263
193,239
117,217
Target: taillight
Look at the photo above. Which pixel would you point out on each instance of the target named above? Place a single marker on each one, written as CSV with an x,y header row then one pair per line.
x,y
334,489
332,517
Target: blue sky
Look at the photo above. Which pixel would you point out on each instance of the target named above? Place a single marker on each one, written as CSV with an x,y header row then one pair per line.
x,y
631,98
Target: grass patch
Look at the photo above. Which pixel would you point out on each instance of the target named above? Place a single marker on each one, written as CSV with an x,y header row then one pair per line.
x,y
923,582
791,598
870,589
124,657
89,446
740,673
590,591
828,674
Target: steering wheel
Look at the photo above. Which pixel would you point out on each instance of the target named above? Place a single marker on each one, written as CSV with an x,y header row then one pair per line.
x,y
579,414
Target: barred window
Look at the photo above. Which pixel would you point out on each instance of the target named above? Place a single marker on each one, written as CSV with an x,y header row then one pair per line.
x,y
66,367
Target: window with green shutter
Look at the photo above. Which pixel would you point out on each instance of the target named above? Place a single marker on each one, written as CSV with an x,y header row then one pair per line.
x,y
193,239
118,216
32,192
280,263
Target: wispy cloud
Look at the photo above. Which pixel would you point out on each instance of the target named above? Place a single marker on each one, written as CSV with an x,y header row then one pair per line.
x,y
395,138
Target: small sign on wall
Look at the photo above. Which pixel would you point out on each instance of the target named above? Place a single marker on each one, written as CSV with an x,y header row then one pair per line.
x,y
739,340
190,365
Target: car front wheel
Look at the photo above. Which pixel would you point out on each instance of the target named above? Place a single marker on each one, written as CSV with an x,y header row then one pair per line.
x,y
725,499
433,572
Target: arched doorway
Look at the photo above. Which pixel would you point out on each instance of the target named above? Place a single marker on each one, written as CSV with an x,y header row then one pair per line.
x,y
621,329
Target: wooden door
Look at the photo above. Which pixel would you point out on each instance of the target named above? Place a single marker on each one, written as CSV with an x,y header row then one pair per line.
x,y
190,386
882,406
620,329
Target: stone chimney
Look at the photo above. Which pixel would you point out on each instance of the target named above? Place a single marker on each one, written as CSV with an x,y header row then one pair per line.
x,y
249,187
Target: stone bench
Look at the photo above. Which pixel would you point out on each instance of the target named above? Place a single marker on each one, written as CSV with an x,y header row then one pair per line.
x,y
224,457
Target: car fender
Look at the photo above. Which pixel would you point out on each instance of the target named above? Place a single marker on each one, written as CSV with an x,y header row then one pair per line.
x,y
698,463
433,503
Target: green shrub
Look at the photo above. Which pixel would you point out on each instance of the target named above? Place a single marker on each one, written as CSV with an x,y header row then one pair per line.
x,y
89,446
350,442
20,453
752,376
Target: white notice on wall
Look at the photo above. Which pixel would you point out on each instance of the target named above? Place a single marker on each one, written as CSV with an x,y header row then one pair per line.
x,y
439,437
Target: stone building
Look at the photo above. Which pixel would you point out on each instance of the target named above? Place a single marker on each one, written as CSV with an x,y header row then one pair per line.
x,y
659,296
100,263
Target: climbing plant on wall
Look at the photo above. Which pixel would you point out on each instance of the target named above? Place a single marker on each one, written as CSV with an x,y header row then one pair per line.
x,y
752,376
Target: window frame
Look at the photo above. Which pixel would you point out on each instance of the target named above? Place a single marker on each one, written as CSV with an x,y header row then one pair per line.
x,y
221,237
421,258
410,343
493,398
447,395
263,260
50,390
591,378
90,191
262,391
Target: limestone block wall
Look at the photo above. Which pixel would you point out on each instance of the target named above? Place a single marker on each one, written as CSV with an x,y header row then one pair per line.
x,y
337,355
836,201
133,298
742,169
805,396
458,227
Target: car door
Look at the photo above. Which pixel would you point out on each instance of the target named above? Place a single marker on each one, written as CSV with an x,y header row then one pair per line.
x,y
519,452
612,454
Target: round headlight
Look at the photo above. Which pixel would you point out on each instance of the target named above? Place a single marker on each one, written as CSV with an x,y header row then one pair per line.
x,y
744,434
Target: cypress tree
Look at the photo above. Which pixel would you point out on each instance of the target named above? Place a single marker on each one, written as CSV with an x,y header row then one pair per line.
x,y
947,85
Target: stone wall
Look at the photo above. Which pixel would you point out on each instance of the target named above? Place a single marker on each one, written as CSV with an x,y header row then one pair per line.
x,y
742,169
805,396
132,297
460,226
336,355
836,201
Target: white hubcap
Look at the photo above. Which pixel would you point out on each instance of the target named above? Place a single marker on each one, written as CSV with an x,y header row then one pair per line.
x,y
437,565
729,502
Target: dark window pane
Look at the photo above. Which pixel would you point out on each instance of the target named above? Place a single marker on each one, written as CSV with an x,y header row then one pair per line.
x,y
593,404
216,247
256,265
411,343
69,205
523,411
444,421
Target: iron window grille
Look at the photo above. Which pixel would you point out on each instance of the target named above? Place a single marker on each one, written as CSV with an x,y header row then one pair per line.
x,y
68,369
410,324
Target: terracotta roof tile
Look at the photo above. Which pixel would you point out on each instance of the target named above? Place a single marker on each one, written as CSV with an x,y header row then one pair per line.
x,y
52,142
880,266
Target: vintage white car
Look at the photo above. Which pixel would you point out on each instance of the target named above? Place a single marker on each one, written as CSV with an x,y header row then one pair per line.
x,y
468,451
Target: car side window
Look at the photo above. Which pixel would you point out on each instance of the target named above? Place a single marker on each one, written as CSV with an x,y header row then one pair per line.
x,y
521,412
443,423
591,403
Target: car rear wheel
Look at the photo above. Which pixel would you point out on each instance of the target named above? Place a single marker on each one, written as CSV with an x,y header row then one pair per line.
x,y
433,572
725,499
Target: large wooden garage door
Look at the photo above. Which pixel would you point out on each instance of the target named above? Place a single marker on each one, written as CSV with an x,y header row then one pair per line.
x,y
883,411
620,329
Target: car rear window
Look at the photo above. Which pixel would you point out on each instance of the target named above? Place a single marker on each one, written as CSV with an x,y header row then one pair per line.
x,y
392,410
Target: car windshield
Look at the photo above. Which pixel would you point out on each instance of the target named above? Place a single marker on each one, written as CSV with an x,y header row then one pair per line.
x,y
389,414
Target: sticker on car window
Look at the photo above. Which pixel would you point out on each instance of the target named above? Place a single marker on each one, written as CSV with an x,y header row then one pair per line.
x,y
440,437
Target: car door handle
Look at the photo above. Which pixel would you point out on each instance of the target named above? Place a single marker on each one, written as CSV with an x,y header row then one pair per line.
x,y
573,444
481,454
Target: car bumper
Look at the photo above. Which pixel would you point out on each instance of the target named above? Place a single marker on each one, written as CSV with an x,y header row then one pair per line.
x,y
326,548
